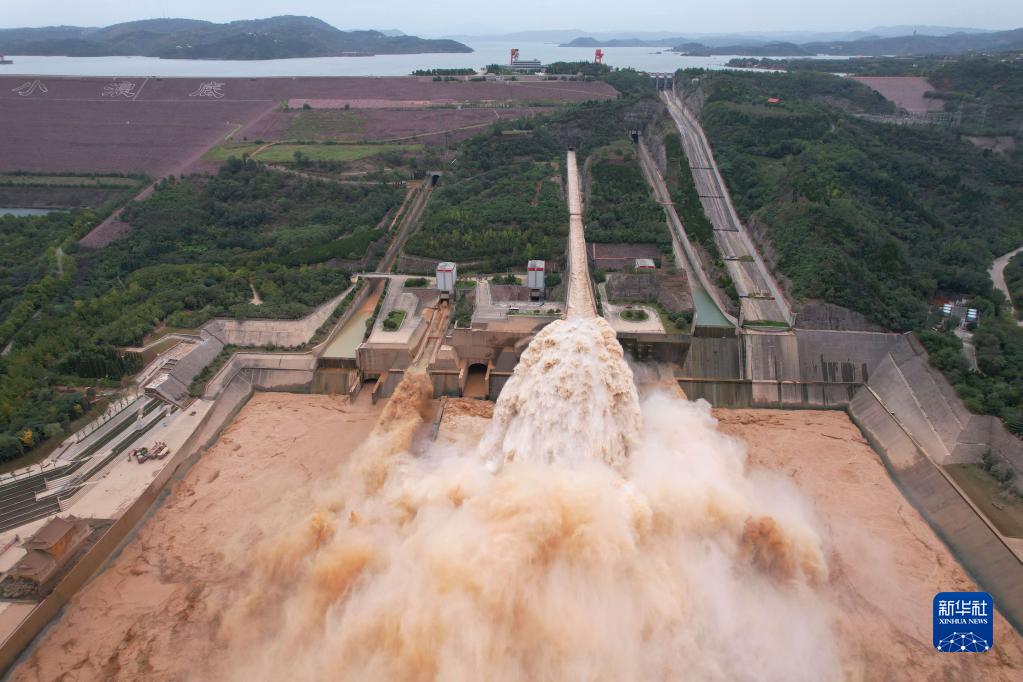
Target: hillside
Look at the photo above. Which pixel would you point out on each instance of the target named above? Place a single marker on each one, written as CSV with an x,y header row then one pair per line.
x,y
879,218
956,43
275,38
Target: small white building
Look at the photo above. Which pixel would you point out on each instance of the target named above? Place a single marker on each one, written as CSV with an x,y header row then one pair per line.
x,y
447,275
645,264
535,278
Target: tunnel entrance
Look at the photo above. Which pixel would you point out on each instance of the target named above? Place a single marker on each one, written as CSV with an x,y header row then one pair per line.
x,y
476,381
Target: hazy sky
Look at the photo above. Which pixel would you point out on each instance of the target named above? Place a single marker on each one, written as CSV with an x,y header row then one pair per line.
x,y
459,16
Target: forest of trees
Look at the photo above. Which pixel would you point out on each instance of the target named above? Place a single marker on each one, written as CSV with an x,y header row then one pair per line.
x,y
501,204
874,217
878,218
683,193
503,217
997,388
196,250
620,207
986,89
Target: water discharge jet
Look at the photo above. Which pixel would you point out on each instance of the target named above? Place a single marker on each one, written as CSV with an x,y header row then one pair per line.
x,y
618,540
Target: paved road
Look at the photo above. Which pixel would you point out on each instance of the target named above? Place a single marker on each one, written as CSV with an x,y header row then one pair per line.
x,y
761,298
997,273
613,314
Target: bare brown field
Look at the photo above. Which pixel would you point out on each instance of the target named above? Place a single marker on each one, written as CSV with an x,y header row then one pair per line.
x,y
161,126
429,126
907,92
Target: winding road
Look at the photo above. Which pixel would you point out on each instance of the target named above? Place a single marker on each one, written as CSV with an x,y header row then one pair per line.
x,y
997,273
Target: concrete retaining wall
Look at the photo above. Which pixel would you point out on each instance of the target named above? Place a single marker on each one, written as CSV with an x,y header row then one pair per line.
x,y
230,402
841,356
283,369
935,416
979,549
196,360
280,333
713,358
743,393
251,374
734,393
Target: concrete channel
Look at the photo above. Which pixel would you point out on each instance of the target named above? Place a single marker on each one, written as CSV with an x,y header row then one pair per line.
x,y
709,309
761,298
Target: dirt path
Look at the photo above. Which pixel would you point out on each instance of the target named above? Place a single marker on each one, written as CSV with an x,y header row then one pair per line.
x,y
313,176
446,131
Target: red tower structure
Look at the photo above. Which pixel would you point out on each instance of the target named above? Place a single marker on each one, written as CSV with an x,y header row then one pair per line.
x,y
514,56
598,56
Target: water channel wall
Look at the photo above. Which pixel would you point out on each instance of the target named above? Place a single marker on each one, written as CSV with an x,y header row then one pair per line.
x,y
908,412
809,368
279,333
227,404
949,512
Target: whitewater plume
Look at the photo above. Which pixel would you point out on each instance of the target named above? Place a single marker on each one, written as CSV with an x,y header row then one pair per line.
x,y
619,540
571,399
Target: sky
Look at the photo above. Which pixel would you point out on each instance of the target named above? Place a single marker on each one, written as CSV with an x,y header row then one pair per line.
x,y
440,17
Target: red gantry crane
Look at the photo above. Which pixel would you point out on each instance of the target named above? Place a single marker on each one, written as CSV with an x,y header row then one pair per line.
x,y
598,56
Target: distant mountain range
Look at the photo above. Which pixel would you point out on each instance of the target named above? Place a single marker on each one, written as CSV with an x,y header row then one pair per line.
x,y
273,38
672,38
870,45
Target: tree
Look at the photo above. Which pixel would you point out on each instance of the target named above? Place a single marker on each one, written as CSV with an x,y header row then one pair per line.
x,y
27,438
10,447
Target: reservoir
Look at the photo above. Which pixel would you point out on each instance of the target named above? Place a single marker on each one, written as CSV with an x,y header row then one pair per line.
x,y
642,58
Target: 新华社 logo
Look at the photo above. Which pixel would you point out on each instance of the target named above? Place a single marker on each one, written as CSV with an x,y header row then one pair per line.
x,y
963,622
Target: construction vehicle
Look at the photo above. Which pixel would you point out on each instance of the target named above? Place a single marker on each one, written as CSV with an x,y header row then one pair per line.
x,y
159,451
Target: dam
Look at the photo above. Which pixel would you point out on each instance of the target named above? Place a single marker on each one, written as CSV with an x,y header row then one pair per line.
x,y
585,478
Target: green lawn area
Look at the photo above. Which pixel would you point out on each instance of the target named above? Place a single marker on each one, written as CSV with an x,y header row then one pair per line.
x,y
1005,510
280,153
393,320
318,124
634,315
225,151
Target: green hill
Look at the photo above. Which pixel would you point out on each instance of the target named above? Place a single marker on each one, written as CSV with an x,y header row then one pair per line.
x,y
274,38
